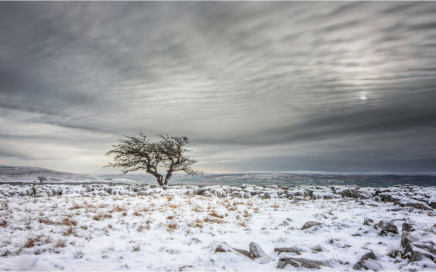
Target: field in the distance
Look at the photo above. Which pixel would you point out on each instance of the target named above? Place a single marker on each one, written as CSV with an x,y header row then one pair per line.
x,y
103,227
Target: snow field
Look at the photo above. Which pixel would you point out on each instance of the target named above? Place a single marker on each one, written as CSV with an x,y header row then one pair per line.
x,y
172,231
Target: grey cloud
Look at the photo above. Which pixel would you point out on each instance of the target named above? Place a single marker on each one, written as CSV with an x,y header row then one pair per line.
x,y
227,74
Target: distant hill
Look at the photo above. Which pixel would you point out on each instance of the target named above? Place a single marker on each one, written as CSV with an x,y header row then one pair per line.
x,y
30,174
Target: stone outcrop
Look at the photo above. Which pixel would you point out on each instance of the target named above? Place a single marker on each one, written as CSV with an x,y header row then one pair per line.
x,y
287,249
310,224
368,262
385,228
299,262
257,253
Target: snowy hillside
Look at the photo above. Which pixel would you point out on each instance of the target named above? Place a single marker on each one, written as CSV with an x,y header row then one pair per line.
x,y
190,228
30,174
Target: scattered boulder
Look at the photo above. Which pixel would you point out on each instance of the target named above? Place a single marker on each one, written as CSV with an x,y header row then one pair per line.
x,y
310,224
368,261
257,253
407,227
317,249
243,252
299,262
368,222
406,239
265,196
222,248
386,227
350,192
287,249
416,251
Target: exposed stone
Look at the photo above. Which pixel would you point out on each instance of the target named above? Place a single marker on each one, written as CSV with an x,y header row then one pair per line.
x,y
287,249
406,239
352,193
310,224
299,262
416,205
368,222
416,251
265,196
385,228
362,263
257,253
226,248
317,249
243,252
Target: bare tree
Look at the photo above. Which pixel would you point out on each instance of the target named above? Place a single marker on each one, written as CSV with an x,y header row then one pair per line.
x,y
138,153
41,178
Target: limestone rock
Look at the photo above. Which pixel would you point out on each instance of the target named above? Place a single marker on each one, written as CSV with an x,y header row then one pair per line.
x,y
257,253
407,227
299,262
310,224
368,262
368,222
385,228
287,249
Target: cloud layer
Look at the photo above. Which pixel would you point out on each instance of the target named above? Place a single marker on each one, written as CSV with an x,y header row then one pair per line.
x,y
334,86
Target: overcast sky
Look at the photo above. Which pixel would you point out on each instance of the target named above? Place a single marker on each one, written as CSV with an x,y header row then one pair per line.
x,y
256,86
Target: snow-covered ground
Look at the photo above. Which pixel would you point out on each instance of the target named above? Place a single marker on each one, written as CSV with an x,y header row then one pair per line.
x,y
183,228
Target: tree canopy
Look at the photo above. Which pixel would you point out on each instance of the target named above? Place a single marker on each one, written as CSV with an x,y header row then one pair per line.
x,y
138,153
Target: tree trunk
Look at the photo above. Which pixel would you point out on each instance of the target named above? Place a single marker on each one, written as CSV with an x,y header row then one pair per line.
x,y
159,177
167,177
159,180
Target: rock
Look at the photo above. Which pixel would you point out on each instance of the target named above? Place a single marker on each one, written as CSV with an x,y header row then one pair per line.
x,y
317,249
243,252
287,249
222,248
265,196
416,251
366,263
257,253
405,239
352,193
310,224
407,227
386,227
299,262
368,222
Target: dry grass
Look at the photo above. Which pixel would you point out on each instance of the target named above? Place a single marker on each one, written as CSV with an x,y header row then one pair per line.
x,y
215,214
30,243
3,223
135,213
197,208
101,216
196,224
173,206
247,214
68,232
76,206
117,208
213,220
68,222
172,226
143,227
61,243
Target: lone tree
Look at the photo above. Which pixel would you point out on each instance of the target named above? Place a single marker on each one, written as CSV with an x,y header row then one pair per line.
x,y
138,153
41,178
